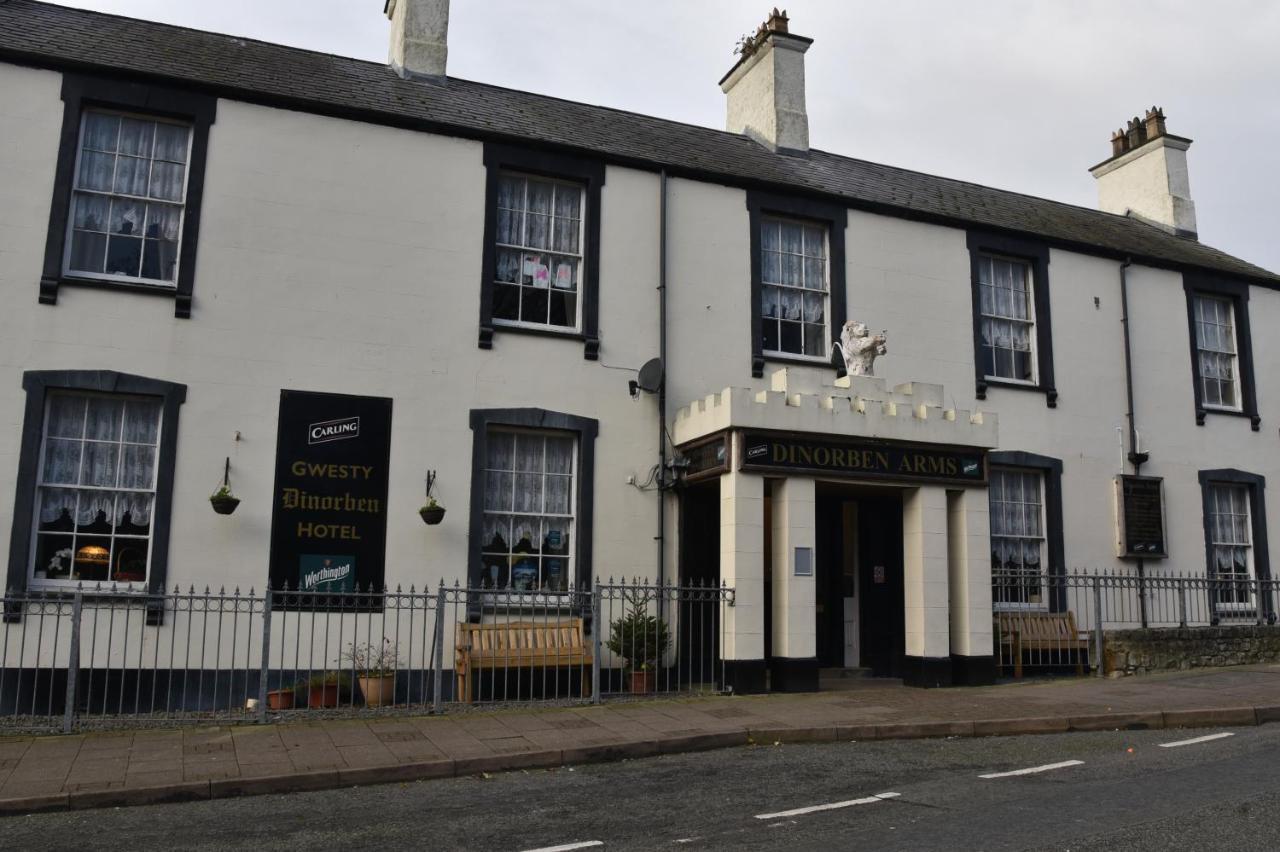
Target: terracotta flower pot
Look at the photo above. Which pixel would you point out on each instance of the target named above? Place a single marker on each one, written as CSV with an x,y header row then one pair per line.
x,y
325,695
432,515
224,505
643,682
280,699
378,690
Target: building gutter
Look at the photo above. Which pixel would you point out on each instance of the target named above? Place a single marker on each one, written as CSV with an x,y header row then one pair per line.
x,y
1136,458
662,385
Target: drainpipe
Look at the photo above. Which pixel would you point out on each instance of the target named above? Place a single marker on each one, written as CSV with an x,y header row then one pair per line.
x,y
662,385
1136,458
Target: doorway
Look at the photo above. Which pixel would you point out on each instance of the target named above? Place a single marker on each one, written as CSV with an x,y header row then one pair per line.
x,y
698,631
859,582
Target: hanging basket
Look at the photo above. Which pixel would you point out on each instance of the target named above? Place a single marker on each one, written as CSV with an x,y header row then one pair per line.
x,y
224,504
432,515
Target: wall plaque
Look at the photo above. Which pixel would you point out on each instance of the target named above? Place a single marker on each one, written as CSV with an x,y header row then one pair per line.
x,y
862,459
1140,517
329,515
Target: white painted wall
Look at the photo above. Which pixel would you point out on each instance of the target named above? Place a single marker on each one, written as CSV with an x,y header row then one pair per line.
x,y
343,257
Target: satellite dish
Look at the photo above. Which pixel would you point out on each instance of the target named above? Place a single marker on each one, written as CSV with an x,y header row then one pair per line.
x,y
650,378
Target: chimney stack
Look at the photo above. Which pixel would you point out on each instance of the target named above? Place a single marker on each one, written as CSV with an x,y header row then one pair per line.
x,y
1146,175
765,88
419,37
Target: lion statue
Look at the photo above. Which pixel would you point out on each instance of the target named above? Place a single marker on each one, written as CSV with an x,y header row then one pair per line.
x,y
858,349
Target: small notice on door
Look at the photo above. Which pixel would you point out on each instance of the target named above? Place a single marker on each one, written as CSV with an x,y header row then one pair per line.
x,y
877,574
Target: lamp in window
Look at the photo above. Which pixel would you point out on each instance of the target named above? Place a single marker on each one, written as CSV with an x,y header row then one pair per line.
x,y
93,556
432,512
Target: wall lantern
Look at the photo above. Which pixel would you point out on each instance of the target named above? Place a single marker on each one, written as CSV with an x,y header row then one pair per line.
x,y
222,500
432,512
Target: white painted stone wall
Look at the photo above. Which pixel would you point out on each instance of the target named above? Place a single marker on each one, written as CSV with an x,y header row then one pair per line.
x,y
342,257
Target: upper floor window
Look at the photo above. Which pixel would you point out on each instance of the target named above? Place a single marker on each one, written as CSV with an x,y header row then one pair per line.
x,y
1007,305
539,252
128,189
128,198
793,288
1216,352
1017,538
96,488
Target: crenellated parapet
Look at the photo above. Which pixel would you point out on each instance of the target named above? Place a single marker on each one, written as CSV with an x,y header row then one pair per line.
x,y
857,406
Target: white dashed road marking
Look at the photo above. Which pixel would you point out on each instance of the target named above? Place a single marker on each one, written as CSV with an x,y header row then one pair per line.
x,y
1195,740
869,800
568,847
1034,769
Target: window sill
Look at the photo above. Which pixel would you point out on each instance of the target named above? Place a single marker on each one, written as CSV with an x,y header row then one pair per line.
x,y
1202,412
790,360
590,353
49,290
1050,393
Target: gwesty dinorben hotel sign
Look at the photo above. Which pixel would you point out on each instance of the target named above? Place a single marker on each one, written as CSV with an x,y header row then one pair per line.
x,y
861,458
329,519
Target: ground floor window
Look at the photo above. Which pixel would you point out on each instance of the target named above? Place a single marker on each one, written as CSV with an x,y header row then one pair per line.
x,y
96,488
1230,545
529,517
1017,538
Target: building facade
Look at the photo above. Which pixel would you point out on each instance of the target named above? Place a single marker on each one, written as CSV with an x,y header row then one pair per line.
x,y
316,280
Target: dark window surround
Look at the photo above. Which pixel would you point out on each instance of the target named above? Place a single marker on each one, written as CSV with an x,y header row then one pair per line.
x,y
586,171
834,217
80,92
1051,470
37,384
586,430
1037,255
1238,293
1257,485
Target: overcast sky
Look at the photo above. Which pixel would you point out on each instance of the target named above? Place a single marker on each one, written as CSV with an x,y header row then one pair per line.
x,y
1017,94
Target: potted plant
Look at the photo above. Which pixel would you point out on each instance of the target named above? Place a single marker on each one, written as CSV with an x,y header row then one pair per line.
x,y
375,668
325,689
641,640
280,699
224,502
432,513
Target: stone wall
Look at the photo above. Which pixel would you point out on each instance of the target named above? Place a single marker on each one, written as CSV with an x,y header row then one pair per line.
x,y
1130,652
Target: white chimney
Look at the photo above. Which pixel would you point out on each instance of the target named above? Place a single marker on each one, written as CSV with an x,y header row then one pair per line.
x,y
419,37
765,88
1146,176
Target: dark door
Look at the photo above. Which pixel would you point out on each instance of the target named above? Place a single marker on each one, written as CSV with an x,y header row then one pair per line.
x,y
699,617
880,605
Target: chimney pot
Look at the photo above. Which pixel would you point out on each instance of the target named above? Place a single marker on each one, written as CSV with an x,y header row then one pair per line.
x,y
1119,143
1154,121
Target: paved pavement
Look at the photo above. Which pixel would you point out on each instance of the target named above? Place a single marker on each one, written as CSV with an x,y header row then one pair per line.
x,y
136,767
1114,790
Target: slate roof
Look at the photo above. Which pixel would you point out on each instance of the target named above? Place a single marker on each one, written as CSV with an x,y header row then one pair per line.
x,y
56,36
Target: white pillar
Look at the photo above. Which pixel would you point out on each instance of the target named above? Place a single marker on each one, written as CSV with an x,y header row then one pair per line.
x,y
969,557
925,586
742,565
794,618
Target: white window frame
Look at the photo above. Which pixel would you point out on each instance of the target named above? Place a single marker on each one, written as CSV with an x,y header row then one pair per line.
x,y
1043,538
76,189
571,557
1216,490
766,220
1197,301
581,254
1033,356
57,583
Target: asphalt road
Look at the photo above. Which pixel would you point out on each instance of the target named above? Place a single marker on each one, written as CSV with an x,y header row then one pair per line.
x,y
1128,793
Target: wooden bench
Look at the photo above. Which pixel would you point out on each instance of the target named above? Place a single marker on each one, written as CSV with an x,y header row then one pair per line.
x,y
1040,631
519,644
